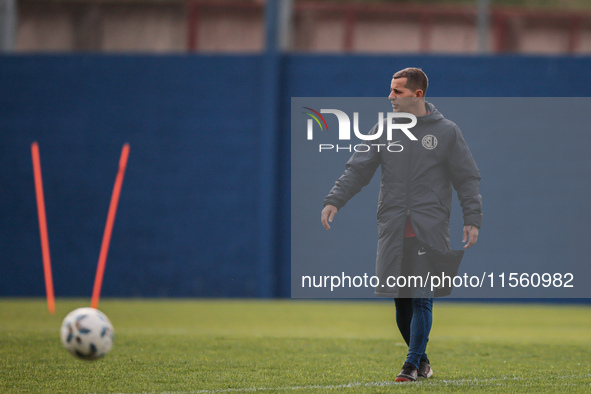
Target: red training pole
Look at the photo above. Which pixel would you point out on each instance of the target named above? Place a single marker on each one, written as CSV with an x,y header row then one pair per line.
x,y
43,227
98,281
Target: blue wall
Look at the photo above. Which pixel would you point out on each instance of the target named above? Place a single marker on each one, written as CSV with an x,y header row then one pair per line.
x,y
187,221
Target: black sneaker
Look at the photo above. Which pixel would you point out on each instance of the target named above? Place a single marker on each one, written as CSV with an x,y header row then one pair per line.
x,y
425,370
408,373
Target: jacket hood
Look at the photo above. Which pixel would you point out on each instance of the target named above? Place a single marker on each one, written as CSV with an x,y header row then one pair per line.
x,y
433,114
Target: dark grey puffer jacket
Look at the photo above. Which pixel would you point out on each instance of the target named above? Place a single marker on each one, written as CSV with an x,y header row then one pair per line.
x,y
417,179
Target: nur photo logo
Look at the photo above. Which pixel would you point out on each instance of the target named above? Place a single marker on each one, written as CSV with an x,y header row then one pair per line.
x,y
344,129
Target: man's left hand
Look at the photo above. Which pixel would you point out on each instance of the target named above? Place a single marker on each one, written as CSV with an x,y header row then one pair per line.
x,y
470,235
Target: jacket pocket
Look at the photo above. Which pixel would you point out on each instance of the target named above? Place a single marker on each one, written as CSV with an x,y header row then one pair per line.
x,y
383,197
440,201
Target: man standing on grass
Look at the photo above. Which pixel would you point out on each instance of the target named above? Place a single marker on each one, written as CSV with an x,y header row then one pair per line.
x,y
414,206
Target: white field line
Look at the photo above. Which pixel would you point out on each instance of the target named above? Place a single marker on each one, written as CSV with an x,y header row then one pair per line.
x,y
356,384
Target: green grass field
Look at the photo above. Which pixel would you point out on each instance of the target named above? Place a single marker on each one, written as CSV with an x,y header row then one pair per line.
x,y
210,346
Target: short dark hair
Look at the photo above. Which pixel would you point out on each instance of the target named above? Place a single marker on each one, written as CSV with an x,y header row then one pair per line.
x,y
415,78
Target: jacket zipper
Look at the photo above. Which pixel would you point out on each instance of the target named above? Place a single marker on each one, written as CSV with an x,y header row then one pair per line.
x,y
408,180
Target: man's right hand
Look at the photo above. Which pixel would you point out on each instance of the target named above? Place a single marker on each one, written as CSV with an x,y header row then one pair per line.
x,y
327,214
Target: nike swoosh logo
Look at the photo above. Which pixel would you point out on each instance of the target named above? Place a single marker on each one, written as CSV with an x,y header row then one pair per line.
x,y
420,254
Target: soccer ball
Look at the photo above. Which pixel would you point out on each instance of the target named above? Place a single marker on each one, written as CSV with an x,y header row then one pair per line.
x,y
87,333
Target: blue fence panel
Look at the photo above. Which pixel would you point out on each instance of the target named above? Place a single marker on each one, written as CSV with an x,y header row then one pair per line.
x,y
188,217
186,223
450,76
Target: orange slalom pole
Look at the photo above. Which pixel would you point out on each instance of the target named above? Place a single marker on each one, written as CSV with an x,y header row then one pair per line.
x,y
98,281
43,227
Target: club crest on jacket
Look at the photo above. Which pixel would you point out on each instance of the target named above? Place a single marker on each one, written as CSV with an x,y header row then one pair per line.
x,y
429,141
